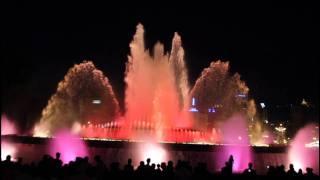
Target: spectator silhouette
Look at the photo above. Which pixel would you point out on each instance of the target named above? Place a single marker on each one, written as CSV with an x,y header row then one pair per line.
x,y
153,169
249,171
169,172
291,171
148,162
81,169
8,160
140,170
99,168
128,168
224,170
280,171
58,162
309,172
230,163
148,170
227,169
158,171
271,171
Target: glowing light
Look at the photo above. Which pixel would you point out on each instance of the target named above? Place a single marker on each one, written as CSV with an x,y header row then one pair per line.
x,y
96,101
70,146
241,95
76,128
40,131
261,145
238,143
241,154
302,153
266,121
193,109
280,129
7,127
314,144
193,101
262,105
7,149
304,103
153,151
211,110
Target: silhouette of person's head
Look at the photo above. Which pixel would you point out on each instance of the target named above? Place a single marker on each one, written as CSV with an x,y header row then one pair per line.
x,y
291,167
129,161
250,165
148,161
309,171
231,158
300,172
163,165
8,158
141,163
58,155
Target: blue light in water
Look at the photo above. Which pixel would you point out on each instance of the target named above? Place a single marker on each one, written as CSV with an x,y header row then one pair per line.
x,y
193,101
193,109
241,95
212,110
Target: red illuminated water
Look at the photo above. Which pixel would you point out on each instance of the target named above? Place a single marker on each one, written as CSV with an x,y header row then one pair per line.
x,y
159,104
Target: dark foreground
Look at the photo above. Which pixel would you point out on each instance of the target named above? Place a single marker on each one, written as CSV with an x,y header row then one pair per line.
x,y
53,168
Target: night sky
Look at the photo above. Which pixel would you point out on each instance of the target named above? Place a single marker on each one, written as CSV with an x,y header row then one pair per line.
x,y
272,46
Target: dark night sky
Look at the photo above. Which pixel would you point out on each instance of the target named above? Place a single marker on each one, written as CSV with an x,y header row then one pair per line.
x,y
272,46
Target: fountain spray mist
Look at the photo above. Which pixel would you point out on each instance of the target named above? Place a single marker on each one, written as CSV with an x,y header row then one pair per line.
x,y
7,128
301,153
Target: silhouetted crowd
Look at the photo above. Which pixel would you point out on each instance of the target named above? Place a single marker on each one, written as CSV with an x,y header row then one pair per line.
x,y
53,168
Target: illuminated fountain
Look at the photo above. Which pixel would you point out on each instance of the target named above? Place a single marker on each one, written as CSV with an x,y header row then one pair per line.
x,y
304,149
159,105
161,110
84,96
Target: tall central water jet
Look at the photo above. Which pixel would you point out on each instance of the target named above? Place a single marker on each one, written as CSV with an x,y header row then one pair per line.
x,y
157,85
